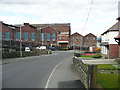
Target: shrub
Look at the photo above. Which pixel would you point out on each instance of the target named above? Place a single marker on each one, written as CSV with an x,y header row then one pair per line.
x,y
97,56
117,60
77,54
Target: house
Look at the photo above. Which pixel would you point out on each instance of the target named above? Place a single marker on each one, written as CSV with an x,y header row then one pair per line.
x,y
90,41
109,46
76,41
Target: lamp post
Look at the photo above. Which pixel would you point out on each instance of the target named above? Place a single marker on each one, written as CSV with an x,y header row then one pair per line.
x,y
21,41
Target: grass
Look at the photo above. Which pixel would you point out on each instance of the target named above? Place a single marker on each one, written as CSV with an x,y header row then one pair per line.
x,y
108,80
86,56
108,66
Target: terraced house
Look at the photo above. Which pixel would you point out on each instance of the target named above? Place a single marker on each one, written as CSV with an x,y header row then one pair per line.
x,y
76,41
79,42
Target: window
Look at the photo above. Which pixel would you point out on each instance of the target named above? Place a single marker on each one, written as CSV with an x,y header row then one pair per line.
x,y
7,35
42,36
18,35
53,36
48,37
26,36
76,38
33,36
0,35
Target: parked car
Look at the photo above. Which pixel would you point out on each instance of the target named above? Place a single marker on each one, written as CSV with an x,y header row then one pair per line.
x,y
27,49
37,47
43,47
52,48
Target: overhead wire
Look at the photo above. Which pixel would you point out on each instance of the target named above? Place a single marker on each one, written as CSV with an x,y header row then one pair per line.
x,y
88,15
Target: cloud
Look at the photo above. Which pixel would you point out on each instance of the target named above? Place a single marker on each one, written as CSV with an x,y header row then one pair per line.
x,y
103,13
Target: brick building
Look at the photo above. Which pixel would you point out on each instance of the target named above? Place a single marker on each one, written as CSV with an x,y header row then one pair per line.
x,y
109,46
34,35
90,41
76,41
49,36
12,35
30,35
7,34
63,33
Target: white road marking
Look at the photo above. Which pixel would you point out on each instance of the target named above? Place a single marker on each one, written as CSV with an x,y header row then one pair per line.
x,y
46,86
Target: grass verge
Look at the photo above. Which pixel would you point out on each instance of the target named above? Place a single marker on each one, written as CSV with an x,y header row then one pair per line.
x,y
108,80
108,66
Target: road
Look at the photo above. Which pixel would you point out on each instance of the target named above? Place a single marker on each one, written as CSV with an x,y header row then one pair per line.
x,y
32,72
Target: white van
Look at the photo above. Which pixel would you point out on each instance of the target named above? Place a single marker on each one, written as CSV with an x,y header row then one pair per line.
x,y
27,49
43,47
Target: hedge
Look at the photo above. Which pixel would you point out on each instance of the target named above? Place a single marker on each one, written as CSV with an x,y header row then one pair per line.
x,y
15,54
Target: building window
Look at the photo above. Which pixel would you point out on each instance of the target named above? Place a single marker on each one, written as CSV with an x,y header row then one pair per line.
x,y
33,36
76,38
0,35
26,36
7,35
54,37
60,38
18,35
48,36
42,36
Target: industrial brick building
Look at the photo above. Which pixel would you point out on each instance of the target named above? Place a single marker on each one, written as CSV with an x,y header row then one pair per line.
x,y
13,35
62,33
49,35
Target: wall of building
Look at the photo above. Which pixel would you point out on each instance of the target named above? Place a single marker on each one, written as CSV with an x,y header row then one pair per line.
x,y
113,53
111,37
49,39
90,40
76,41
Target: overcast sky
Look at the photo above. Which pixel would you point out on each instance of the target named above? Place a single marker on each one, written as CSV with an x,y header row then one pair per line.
x,y
102,16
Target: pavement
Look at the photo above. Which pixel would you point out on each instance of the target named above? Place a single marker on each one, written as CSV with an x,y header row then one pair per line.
x,y
63,76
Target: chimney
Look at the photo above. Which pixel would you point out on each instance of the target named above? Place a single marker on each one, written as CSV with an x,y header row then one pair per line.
x,y
26,23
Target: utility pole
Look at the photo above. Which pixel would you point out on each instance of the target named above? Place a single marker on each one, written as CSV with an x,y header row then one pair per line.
x,y
117,39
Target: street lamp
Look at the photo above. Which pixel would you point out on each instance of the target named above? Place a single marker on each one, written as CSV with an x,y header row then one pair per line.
x,y
21,40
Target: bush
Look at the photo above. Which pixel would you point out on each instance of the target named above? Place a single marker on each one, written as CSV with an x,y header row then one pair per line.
x,y
15,54
117,60
97,56
77,54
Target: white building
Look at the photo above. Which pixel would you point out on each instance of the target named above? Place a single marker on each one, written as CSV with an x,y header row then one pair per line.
x,y
108,45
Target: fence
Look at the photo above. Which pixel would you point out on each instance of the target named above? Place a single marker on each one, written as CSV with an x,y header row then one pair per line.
x,y
87,74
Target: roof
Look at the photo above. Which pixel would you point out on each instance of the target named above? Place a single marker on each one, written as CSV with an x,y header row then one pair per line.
x,y
48,29
18,25
77,34
62,27
89,34
113,28
11,26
